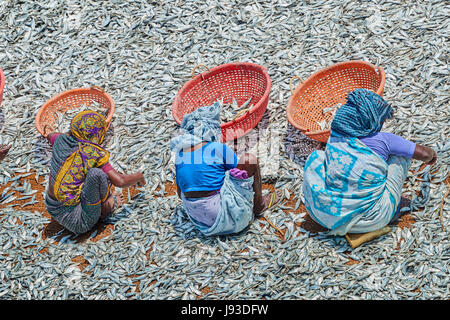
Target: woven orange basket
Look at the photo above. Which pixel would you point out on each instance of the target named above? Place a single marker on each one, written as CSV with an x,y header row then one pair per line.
x,y
233,80
75,98
2,85
326,88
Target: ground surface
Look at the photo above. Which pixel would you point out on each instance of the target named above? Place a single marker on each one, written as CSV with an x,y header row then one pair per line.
x,y
142,53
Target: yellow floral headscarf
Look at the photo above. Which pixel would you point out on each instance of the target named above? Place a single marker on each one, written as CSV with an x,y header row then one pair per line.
x,y
89,129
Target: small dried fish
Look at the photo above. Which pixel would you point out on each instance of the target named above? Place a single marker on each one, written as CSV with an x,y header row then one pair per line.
x,y
140,53
326,124
232,111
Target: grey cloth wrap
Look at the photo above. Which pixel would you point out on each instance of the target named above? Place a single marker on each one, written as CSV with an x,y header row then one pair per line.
x,y
82,217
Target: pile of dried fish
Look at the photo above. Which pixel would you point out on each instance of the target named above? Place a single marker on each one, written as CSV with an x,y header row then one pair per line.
x,y
326,124
229,112
140,52
27,193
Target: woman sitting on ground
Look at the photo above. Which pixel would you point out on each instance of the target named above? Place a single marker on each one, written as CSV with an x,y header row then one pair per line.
x,y
355,185
79,191
220,194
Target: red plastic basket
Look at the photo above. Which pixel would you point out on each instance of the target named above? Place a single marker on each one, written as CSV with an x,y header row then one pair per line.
x,y
2,85
75,98
241,81
326,88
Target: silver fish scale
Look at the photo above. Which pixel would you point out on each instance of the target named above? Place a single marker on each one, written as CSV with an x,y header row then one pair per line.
x,y
142,54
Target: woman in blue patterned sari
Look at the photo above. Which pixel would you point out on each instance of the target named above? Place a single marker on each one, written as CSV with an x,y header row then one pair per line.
x,y
355,185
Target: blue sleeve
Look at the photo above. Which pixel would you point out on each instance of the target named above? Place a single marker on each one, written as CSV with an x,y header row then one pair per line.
x,y
399,146
229,158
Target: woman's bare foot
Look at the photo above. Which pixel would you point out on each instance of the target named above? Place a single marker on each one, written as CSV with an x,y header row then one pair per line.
x,y
404,203
269,201
119,198
108,206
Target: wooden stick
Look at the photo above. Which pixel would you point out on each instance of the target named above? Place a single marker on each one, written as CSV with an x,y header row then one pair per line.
x,y
241,112
198,66
275,227
357,239
292,79
441,217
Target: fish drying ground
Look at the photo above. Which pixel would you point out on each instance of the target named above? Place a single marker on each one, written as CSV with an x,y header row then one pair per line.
x,y
142,52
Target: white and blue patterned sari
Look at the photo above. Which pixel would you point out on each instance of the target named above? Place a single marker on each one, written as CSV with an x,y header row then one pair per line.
x,y
348,188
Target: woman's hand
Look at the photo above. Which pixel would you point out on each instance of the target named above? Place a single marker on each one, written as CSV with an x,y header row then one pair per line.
x,y
4,149
434,159
141,181
126,180
425,154
50,135
48,130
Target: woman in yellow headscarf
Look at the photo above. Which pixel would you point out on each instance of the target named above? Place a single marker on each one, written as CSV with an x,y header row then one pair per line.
x,y
81,176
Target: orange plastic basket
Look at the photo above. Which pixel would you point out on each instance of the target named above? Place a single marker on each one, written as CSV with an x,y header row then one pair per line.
x,y
326,88
233,80
2,85
75,98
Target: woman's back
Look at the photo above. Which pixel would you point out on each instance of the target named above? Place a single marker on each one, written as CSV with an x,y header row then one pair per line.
x,y
204,168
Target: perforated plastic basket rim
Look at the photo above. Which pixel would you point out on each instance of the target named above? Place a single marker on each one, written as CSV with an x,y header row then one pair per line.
x,y
318,75
57,97
198,78
2,85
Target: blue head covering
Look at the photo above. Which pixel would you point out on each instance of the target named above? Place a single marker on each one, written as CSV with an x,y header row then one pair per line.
x,y
362,115
203,124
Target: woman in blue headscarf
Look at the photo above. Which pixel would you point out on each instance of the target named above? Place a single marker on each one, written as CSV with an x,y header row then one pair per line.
x,y
355,185
220,193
